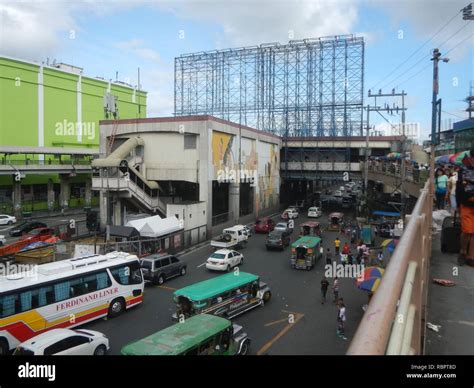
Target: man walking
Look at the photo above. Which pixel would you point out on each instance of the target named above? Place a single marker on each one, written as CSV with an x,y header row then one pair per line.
x,y
337,244
341,319
328,257
324,289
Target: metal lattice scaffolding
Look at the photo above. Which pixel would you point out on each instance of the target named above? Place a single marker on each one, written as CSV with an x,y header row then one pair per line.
x,y
310,87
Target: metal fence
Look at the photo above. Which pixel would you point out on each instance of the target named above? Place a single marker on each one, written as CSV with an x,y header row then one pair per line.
x,y
394,322
412,174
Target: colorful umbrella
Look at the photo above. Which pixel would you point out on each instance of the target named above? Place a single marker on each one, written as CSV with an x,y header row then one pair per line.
x,y
443,159
370,279
389,244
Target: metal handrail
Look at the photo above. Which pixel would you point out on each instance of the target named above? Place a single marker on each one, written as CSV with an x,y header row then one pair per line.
x,y
400,287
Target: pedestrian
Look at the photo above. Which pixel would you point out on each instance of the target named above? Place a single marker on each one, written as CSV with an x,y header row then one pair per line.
x,y
335,289
341,319
346,249
440,188
324,289
453,178
328,257
337,244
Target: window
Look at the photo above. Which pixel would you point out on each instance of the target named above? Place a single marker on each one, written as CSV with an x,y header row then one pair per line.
x,y
190,141
127,274
174,260
62,291
165,262
8,305
57,347
206,347
76,340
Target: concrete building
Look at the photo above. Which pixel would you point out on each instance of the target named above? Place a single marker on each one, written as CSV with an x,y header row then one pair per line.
x,y
49,131
204,170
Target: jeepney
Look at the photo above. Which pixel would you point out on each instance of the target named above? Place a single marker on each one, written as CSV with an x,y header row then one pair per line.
x,y
310,228
335,221
202,334
226,295
305,252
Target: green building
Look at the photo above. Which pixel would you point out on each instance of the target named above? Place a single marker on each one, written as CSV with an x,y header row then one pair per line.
x,y
49,119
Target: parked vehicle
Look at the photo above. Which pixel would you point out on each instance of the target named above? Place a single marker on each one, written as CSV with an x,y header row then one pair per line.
x,y
224,260
314,212
277,239
290,214
342,188
264,225
338,193
226,295
284,227
65,342
335,221
39,234
26,227
310,228
3,240
305,252
234,237
7,220
202,334
158,267
346,202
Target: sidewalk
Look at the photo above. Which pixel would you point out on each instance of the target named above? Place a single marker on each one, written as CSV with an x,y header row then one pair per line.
x,y
450,307
56,213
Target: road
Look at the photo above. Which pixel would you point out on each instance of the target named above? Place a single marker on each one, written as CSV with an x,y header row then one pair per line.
x,y
296,298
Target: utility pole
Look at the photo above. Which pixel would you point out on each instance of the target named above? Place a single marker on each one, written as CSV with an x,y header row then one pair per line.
x,y
366,175
434,138
390,110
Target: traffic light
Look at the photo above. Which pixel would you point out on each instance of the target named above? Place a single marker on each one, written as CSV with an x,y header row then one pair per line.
x,y
91,221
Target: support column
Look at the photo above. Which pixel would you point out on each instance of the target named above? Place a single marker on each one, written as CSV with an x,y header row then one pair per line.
x,y
117,211
88,193
16,198
50,194
234,201
65,191
103,208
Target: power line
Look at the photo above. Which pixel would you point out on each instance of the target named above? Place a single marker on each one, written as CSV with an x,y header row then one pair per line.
x,y
424,68
418,49
452,114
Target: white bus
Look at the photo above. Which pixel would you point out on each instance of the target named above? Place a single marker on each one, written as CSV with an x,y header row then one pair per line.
x,y
67,293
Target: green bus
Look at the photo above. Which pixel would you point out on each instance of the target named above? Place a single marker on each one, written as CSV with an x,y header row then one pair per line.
x,y
201,334
305,252
226,295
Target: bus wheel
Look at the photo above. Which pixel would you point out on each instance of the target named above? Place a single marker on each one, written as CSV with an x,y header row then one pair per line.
x,y
117,306
100,350
3,347
245,348
267,296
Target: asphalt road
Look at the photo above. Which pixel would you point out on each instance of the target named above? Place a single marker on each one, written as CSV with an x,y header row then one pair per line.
x,y
294,322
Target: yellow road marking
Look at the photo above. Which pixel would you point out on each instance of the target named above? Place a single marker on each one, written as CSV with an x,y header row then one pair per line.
x,y
167,288
275,322
285,330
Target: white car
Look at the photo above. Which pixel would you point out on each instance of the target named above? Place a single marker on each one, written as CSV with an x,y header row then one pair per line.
x,y
284,227
314,212
291,212
65,342
7,220
338,193
224,260
342,188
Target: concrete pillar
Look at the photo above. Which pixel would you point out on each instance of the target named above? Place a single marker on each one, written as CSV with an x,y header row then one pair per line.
x,y
234,201
50,194
103,206
88,193
65,191
16,198
117,212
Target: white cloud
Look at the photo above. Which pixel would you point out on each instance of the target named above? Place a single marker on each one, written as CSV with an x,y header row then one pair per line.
x,y
137,47
248,22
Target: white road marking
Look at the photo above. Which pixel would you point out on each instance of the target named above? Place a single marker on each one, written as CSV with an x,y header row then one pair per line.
x,y
200,265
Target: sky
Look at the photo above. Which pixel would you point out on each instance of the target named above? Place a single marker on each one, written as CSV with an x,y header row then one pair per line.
x,y
110,37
